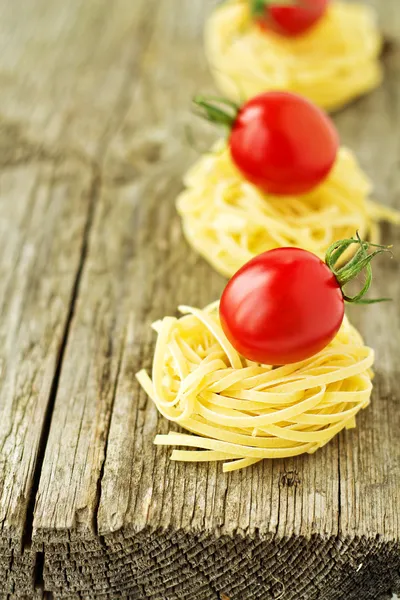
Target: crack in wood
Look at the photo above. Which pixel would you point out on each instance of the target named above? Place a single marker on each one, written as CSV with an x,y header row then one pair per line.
x,y
101,474
27,542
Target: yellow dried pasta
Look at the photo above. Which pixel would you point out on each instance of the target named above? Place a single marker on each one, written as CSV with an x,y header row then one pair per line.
x,y
229,220
241,412
333,63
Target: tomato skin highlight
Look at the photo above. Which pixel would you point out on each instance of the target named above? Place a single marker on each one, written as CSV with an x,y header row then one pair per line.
x,y
282,307
283,144
292,21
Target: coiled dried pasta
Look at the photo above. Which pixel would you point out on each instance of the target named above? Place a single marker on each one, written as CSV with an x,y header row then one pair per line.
x,y
229,220
241,412
333,63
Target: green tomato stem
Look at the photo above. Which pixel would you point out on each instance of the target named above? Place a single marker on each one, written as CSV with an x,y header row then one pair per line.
x,y
361,261
217,110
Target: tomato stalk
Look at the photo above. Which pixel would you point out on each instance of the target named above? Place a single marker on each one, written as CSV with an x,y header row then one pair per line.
x,y
217,110
361,261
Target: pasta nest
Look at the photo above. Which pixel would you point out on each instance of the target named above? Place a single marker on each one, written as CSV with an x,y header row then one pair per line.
x,y
242,412
228,220
333,63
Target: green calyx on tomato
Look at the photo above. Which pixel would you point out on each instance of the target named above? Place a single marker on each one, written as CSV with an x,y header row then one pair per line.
x,y
361,261
286,305
279,141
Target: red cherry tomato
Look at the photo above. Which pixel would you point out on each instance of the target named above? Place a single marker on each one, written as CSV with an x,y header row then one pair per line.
x,y
282,307
292,20
283,144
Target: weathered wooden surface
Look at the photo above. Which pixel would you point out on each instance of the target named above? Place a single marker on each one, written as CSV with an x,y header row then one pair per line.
x,y
44,202
93,103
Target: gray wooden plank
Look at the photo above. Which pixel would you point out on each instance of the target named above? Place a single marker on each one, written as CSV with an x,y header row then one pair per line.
x,y
44,202
113,514
62,74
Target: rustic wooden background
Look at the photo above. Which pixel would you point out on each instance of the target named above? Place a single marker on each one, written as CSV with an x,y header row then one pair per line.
x,y
94,98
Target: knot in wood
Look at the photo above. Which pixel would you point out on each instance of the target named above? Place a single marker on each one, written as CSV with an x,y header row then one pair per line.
x,y
290,479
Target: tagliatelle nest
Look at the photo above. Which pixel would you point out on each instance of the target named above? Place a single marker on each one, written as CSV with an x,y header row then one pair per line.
x,y
333,63
242,412
229,220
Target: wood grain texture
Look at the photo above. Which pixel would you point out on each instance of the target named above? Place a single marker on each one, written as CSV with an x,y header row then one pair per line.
x,y
44,200
61,83
100,95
